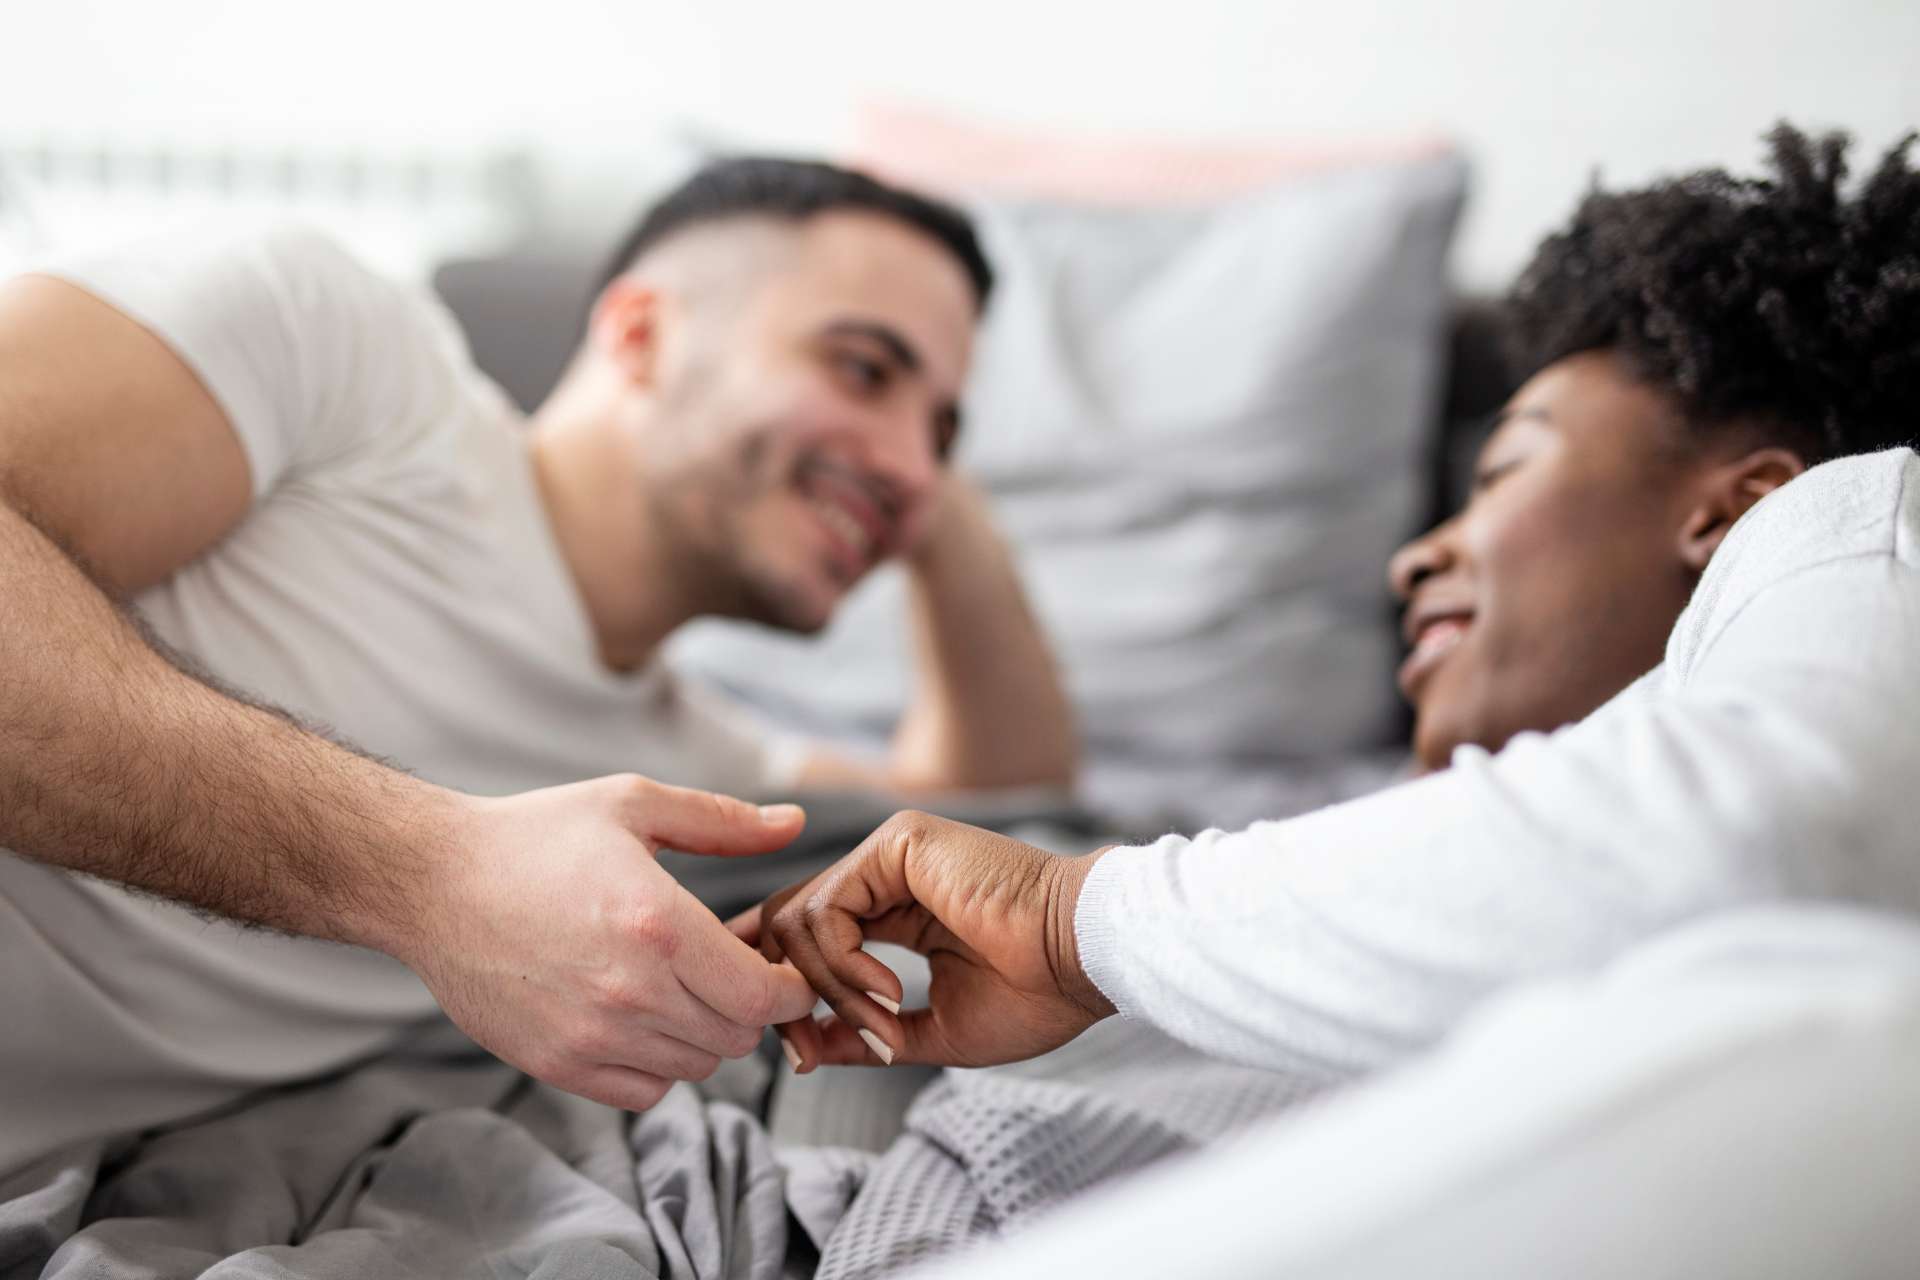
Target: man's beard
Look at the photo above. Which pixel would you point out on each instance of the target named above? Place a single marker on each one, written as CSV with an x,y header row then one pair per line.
x,y
719,570
768,600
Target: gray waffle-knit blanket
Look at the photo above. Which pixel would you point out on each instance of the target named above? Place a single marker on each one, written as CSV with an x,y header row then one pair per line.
x,y
986,1152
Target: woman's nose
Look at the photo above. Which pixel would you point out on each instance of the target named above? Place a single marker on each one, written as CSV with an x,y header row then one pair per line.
x,y
1426,555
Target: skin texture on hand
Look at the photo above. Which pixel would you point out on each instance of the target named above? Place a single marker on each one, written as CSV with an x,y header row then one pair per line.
x,y
552,937
993,916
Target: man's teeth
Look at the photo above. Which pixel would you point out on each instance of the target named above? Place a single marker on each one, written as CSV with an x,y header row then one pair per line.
x,y
846,527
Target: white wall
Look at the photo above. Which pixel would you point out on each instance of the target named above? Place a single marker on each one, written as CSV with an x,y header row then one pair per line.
x,y
1541,91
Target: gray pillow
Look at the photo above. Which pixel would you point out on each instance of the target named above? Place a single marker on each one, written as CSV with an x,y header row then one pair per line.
x,y
1204,430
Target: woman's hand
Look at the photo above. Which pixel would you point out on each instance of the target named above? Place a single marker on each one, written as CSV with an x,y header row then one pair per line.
x,y
993,916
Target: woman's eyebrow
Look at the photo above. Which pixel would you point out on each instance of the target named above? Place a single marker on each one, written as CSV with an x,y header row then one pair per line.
x,y
1531,413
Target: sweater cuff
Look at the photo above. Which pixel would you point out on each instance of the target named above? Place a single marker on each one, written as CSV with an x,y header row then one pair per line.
x,y
1098,912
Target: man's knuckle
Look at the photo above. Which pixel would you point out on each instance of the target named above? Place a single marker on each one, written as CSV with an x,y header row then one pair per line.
x,y
632,795
653,932
610,991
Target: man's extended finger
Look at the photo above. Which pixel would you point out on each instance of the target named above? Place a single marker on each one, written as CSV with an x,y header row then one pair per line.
x,y
705,822
666,1056
685,1016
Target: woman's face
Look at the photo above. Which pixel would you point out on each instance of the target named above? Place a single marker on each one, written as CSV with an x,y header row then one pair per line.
x,y
1557,585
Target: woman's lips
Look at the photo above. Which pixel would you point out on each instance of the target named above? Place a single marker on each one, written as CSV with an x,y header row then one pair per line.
x,y
1435,641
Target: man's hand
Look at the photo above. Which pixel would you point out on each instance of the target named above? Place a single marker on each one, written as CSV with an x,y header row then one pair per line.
x,y
990,709
993,916
552,937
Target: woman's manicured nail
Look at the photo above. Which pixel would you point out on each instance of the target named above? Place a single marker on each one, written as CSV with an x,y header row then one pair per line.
x,y
891,1006
793,1054
878,1046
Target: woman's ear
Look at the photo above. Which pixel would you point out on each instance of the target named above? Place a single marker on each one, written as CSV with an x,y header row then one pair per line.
x,y
1724,493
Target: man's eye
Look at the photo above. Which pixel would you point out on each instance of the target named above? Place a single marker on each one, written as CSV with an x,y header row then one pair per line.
x,y
864,374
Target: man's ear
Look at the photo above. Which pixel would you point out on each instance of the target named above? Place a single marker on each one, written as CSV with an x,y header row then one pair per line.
x,y
1724,494
625,329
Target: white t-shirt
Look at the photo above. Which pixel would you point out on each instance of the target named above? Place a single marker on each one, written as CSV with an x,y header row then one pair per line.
x,y
1774,757
397,581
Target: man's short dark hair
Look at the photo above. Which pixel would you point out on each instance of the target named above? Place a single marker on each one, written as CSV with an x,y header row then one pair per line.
x,y
1779,301
795,191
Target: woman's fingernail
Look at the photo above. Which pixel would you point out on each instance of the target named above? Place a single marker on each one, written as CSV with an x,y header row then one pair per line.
x,y
891,1006
793,1054
778,814
878,1045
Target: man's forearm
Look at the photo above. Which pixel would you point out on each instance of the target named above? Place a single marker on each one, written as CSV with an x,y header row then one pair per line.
x,y
990,709
116,763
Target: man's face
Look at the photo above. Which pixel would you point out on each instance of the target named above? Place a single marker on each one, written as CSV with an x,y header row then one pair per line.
x,y
804,436
1557,586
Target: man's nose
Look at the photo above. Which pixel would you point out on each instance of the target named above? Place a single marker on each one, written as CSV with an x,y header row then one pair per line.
x,y
1430,553
900,447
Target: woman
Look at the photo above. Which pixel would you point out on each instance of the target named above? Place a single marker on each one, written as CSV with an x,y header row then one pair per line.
x,y
1692,347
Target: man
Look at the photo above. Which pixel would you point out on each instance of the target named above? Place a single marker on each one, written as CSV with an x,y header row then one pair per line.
x,y
1693,347
290,468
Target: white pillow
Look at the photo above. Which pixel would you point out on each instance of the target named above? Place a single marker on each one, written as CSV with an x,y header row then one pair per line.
x,y
1204,430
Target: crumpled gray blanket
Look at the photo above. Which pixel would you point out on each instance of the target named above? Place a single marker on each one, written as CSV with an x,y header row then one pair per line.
x,y
435,1160
438,1161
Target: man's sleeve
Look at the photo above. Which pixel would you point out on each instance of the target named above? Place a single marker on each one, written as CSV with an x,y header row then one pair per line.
x,y
1786,766
294,339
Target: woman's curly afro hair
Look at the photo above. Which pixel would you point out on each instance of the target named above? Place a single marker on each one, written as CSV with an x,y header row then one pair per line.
x,y
1776,302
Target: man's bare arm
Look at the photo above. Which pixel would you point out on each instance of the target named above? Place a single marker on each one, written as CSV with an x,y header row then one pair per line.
x,y
116,763
990,709
112,760
540,922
